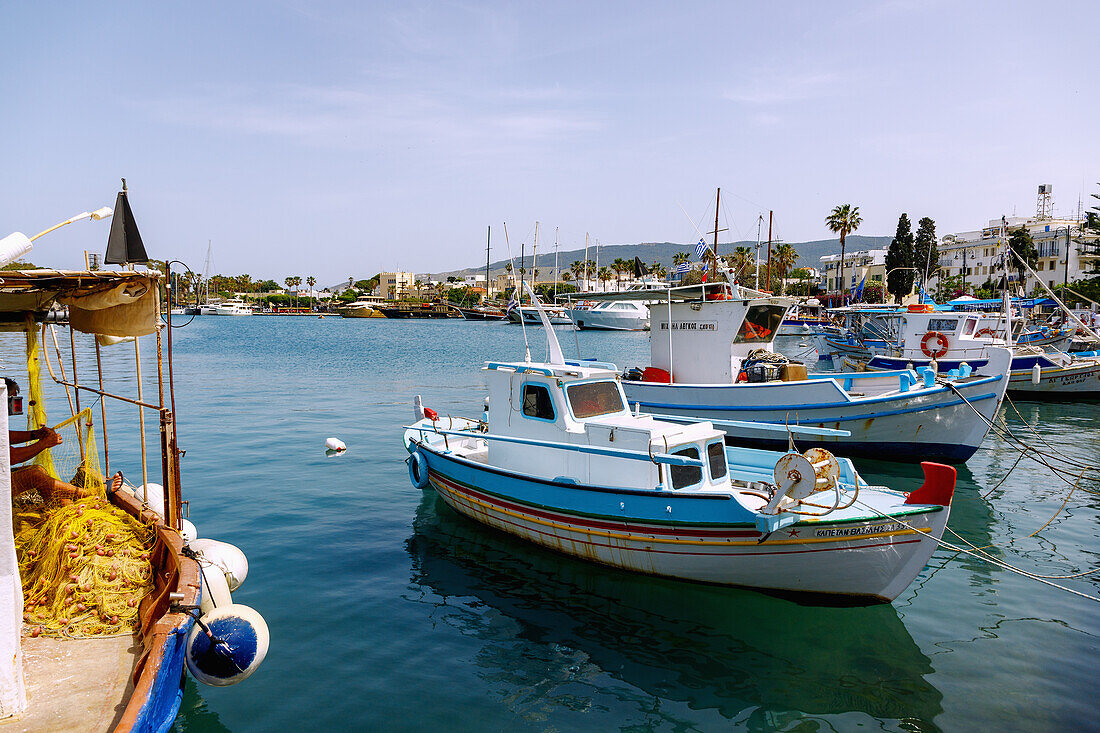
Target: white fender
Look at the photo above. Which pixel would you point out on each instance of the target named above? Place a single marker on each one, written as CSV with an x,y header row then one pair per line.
x,y
242,641
215,588
188,530
226,557
335,444
152,494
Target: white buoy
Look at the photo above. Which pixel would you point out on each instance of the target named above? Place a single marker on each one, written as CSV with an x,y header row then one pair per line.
x,y
226,557
188,530
238,648
1036,373
335,444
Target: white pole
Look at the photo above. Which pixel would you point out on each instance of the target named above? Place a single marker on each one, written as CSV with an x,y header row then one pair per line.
x,y
13,693
586,260
670,380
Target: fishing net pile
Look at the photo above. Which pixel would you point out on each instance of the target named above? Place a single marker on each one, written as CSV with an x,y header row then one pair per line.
x,y
84,563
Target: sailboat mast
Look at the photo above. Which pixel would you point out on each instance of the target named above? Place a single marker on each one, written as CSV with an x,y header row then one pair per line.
x,y
488,238
585,261
556,272
771,217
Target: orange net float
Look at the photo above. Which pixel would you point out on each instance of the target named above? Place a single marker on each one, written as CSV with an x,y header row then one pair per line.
x,y
941,344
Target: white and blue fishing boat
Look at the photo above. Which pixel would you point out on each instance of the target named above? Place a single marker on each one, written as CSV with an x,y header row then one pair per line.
x,y
923,338
712,358
558,459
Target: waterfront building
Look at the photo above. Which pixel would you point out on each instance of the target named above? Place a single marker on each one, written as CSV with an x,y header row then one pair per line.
x,y
396,285
858,264
976,255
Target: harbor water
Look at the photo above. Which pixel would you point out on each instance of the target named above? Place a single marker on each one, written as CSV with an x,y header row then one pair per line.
x,y
388,611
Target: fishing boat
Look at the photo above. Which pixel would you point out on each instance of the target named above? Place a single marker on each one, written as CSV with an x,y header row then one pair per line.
x,y
923,338
712,358
804,318
233,307
116,594
558,459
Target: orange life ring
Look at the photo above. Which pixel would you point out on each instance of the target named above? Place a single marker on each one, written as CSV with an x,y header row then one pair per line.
x,y
941,343
986,331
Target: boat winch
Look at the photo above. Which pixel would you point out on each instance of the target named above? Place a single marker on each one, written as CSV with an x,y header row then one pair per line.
x,y
800,475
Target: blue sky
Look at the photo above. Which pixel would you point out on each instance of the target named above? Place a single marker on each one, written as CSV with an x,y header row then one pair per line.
x,y
342,138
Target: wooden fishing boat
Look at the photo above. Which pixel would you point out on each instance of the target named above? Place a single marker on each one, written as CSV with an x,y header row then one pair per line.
x,y
558,459
88,669
712,358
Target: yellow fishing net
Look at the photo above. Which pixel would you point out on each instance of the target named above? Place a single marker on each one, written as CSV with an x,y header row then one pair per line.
x,y
84,563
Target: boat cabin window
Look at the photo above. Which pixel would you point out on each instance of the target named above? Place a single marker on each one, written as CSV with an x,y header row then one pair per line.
x,y
760,324
683,476
716,457
943,325
968,329
537,402
591,399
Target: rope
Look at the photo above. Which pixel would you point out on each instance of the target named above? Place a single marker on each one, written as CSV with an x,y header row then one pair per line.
x,y
984,557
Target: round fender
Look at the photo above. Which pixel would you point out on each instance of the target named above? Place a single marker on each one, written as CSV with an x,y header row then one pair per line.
x,y
225,557
241,644
418,470
941,344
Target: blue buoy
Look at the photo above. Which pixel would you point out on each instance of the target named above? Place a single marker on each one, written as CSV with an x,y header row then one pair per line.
x,y
418,470
239,646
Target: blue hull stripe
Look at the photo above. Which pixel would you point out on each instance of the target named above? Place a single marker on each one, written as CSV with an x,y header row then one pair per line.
x,y
806,408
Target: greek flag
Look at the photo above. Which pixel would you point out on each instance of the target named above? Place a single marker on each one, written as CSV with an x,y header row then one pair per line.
x,y
682,268
700,248
512,303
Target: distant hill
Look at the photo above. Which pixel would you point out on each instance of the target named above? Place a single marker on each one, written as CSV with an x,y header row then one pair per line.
x,y
809,254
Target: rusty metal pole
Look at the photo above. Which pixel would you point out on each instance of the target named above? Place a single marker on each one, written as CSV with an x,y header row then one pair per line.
x,y
103,411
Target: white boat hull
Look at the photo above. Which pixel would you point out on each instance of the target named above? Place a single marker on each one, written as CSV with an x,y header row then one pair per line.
x,y
919,425
875,558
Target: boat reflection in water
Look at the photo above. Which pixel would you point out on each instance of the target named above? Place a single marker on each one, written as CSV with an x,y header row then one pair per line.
x,y
552,626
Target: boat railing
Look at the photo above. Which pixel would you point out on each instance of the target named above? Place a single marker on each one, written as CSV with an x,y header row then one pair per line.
x,y
634,455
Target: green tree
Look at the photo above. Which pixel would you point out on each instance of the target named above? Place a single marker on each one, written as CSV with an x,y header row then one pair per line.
x,y
604,275
1023,249
311,281
925,251
899,257
843,220
783,258
741,260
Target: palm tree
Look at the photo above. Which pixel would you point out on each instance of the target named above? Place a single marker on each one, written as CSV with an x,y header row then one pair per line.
x,y
311,281
843,220
783,259
658,270
618,265
604,275
293,282
742,258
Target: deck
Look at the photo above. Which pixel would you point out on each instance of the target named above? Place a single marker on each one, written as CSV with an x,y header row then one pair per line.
x,y
75,684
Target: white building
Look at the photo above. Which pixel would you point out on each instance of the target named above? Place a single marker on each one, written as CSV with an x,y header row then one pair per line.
x,y
396,285
976,255
869,263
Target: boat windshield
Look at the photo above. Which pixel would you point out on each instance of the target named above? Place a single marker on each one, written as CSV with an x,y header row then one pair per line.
x,y
760,324
686,475
591,399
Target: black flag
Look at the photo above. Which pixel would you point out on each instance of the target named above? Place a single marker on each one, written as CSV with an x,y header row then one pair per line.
x,y
124,243
639,268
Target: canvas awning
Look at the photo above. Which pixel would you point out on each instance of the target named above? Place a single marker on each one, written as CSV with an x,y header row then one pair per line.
x,y
103,302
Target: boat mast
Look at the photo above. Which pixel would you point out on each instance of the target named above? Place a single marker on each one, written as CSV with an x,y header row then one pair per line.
x,y
488,238
535,258
555,264
771,215
585,261
717,207
756,257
